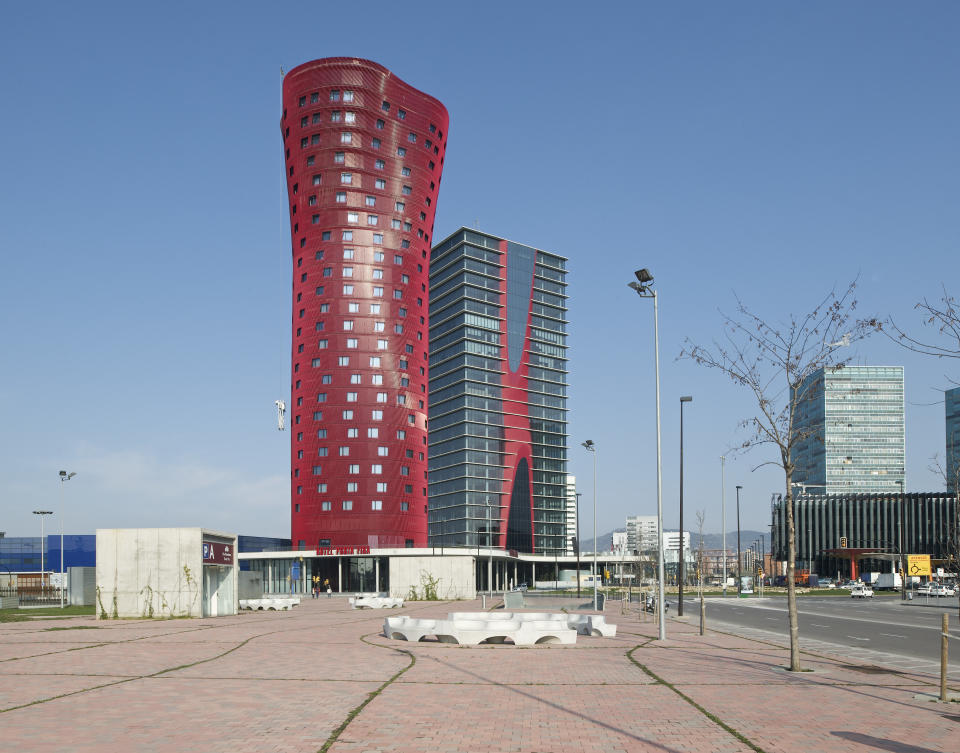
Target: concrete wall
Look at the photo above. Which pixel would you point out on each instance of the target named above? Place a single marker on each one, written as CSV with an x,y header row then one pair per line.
x,y
251,584
151,572
82,586
454,576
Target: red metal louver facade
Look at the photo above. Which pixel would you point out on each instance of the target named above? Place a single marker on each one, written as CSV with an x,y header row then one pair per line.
x,y
363,156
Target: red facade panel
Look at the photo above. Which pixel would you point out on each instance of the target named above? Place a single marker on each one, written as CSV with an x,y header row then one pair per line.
x,y
363,156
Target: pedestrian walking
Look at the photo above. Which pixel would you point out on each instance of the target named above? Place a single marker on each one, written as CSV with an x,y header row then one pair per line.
x,y
326,583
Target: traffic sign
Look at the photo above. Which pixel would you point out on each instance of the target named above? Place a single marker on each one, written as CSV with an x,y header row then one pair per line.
x,y
918,564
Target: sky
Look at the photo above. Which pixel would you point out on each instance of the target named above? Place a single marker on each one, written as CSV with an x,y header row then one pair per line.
x,y
769,151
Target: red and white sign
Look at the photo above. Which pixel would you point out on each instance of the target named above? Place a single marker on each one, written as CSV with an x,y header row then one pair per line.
x,y
217,554
328,550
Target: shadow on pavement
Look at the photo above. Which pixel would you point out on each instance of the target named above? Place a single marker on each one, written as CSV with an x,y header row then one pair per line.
x,y
881,743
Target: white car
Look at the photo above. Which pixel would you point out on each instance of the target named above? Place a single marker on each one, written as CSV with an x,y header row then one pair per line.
x,y
861,591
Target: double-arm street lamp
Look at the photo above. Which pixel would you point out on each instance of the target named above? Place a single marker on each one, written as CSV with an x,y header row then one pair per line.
x,y
64,476
643,287
592,448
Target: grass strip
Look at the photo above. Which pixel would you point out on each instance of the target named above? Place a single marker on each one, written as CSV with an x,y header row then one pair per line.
x,y
335,735
712,717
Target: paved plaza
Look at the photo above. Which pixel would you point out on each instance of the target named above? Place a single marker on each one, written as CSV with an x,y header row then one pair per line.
x,y
322,677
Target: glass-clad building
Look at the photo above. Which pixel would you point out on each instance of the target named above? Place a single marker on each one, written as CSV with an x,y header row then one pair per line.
x,y
851,427
498,395
951,401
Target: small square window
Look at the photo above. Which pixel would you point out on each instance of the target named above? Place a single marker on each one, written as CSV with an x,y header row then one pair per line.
x,y
348,504
401,151
412,137
335,116
348,290
334,95
346,235
325,506
378,238
350,117
371,201
373,432
347,415
380,164
346,137
352,342
346,178
372,219
353,217
347,95
381,183
375,362
338,158
376,504
375,143
385,106
341,198
348,253
343,361
381,124
402,114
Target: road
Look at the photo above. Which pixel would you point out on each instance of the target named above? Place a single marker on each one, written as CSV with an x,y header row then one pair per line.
x,y
881,630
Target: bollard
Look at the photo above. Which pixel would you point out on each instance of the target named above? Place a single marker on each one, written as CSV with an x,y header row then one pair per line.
x,y
945,625
703,615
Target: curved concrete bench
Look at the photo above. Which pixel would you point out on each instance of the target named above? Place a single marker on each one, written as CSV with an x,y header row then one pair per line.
x,y
361,601
584,624
472,628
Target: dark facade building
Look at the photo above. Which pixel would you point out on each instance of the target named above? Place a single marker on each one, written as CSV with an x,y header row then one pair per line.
x,y
498,386
363,155
23,553
928,522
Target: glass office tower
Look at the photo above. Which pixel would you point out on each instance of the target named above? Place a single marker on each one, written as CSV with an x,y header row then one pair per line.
x,y
951,401
498,395
852,424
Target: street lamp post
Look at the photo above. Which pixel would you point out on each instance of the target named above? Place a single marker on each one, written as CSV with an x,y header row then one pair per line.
x,y
682,571
41,513
577,547
723,518
643,288
592,448
903,569
739,563
64,476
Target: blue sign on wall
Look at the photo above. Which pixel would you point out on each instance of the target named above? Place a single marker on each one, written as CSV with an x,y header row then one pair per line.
x,y
295,571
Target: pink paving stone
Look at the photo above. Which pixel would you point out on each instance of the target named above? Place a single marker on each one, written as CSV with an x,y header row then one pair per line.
x,y
294,676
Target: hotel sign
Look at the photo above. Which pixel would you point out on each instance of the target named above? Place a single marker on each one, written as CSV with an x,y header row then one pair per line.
x,y
330,550
217,554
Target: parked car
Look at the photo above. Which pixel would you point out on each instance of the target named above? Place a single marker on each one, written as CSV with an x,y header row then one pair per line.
x,y
861,591
924,589
938,590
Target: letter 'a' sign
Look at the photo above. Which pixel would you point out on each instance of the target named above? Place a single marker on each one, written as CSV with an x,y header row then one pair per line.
x,y
215,553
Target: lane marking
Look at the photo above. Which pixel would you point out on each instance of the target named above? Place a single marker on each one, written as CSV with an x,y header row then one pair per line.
x,y
893,635
857,638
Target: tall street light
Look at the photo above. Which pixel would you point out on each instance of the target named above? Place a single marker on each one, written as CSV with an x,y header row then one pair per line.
x,y
41,513
739,561
643,288
592,448
723,518
577,542
64,476
682,573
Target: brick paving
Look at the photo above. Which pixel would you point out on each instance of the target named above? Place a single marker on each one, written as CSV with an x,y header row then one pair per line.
x,y
289,681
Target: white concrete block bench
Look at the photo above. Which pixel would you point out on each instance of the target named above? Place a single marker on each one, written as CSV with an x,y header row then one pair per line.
x,y
472,628
267,604
584,624
372,601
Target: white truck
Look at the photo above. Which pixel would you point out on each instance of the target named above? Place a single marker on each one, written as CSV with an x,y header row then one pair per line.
x,y
888,582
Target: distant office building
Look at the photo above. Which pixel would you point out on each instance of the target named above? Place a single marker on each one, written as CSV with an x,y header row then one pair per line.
x,y
866,521
671,546
498,385
641,533
852,419
951,401
618,542
572,514
363,154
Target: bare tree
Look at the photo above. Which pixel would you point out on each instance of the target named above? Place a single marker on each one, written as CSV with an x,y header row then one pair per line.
x,y
943,316
951,476
781,364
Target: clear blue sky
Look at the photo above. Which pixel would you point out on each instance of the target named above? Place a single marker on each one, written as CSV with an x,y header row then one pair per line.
x,y
769,149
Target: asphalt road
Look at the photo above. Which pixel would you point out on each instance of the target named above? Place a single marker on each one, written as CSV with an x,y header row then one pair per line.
x,y
882,629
